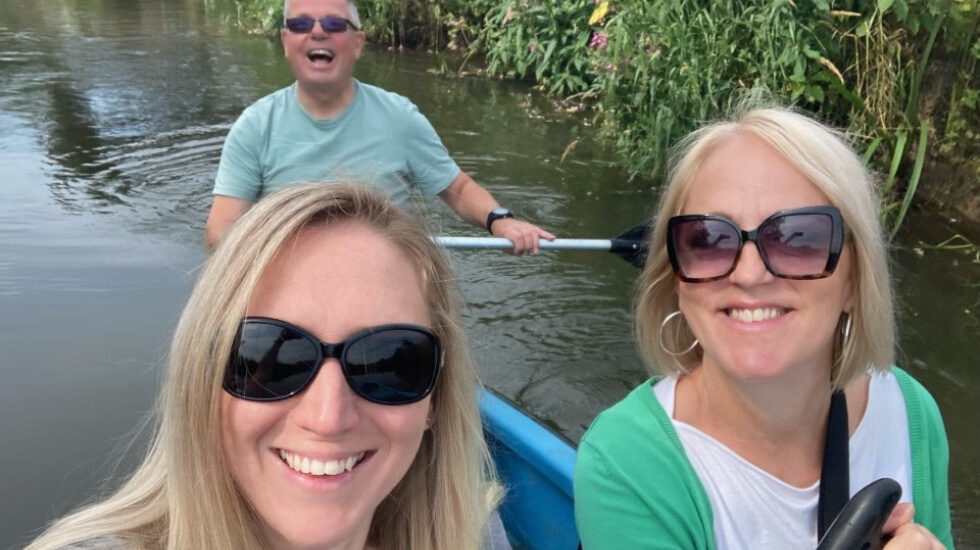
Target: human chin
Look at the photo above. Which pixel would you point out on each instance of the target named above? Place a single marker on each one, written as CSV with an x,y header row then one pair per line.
x,y
313,529
759,359
291,521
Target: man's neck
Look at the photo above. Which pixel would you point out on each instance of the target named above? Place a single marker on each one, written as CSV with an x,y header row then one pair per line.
x,y
325,103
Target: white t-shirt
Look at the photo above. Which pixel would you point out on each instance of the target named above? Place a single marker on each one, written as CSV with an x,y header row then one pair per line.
x,y
753,509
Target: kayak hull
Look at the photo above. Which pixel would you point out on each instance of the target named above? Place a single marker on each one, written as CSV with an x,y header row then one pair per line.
x,y
535,465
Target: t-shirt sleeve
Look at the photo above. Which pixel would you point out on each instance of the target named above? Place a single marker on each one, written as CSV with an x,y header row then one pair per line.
x,y
239,172
431,167
630,494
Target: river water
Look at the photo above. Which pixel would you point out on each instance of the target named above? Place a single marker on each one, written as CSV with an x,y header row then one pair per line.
x,y
112,116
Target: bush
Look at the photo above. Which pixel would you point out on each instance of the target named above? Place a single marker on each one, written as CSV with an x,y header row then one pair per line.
x,y
547,40
670,66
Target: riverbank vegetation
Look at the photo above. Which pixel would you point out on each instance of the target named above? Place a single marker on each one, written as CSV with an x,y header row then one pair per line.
x,y
899,75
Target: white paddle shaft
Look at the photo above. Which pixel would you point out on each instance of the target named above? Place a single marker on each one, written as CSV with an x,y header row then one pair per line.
x,y
500,243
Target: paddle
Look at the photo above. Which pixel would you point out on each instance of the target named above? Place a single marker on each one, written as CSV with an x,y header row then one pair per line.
x,y
630,245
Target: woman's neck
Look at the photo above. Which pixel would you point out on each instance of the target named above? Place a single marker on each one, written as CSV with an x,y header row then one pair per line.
x,y
778,425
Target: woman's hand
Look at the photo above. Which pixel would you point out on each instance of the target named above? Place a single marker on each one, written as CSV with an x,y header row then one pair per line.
x,y
906,535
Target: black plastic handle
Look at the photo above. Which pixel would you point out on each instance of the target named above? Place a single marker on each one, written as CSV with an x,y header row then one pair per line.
x,y
858,526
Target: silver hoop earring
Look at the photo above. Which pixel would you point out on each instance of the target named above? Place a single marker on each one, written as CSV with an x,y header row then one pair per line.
x,y
845,330
661,337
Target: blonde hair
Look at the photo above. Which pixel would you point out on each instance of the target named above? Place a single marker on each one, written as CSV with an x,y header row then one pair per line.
x,y
827,160
183,495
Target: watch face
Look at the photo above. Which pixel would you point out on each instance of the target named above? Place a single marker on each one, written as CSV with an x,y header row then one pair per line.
x,y
500,212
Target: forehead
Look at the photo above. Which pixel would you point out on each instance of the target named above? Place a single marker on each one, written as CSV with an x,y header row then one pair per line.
x,y
317,7
338,279
747,179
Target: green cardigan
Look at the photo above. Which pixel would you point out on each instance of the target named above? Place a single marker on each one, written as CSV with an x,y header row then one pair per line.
x,y
636,489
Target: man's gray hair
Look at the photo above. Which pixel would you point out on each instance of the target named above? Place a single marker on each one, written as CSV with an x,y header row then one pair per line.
x,y
351,13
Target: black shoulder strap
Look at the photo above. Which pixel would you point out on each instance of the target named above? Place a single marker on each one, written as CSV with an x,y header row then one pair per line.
x,y
834,475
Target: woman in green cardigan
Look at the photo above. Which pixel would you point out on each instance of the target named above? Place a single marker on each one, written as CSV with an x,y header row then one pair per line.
x,y
766,306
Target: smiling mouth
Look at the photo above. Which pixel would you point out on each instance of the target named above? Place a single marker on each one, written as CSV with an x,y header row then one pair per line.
x,y
312,466
756,315
320,55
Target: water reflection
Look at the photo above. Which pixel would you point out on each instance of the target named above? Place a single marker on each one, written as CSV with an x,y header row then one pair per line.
x,y
112,116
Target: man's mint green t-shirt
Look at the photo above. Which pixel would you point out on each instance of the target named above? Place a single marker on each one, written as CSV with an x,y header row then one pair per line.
x,y
381,139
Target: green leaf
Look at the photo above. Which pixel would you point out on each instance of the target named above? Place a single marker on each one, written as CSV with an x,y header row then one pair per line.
x,y
872,147
897,155
815,94
901,10
914,25
577,81
885,5
862,29
799,70
548,51
920,157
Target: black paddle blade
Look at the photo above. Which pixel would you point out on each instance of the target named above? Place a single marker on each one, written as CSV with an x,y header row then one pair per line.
x,y
632,244
859,524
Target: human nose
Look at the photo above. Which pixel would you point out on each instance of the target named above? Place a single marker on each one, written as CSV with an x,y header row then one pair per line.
x,y
318,30
328,406
750,269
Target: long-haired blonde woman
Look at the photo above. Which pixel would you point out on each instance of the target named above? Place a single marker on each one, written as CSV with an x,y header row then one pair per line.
x,y
765,293
318,395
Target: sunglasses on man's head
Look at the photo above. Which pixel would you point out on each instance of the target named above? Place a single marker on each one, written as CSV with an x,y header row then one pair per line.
x,y
389,364
803,243
303,25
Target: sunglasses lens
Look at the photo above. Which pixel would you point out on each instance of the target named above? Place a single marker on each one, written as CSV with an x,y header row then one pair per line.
x,y
704,248
300,24
269,362
797,245
333,24
393,366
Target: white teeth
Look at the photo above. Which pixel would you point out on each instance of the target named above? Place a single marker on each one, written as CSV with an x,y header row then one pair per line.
x,y
316,467
755,315
321,52
333,468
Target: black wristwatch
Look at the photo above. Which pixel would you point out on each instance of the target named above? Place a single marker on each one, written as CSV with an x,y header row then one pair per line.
x,y
495,215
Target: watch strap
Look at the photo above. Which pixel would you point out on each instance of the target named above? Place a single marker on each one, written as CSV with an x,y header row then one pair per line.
x,y
496,214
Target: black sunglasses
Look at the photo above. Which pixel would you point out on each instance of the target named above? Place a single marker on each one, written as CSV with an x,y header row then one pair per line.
x,y
303,25
803,243
388,364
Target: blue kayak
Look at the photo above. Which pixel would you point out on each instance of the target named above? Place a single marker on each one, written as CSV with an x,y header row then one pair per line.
x,y
535,465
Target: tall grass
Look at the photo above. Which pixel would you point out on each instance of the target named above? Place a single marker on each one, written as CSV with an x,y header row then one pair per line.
x,y
671,66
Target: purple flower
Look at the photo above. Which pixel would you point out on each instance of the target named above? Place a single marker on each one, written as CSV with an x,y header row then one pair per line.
x,y
599,40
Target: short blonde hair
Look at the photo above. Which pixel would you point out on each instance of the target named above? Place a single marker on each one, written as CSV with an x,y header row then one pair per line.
x,y
440,504
827,160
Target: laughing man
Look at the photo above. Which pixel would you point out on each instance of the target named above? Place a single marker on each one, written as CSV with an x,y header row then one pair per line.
x,y
328,126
